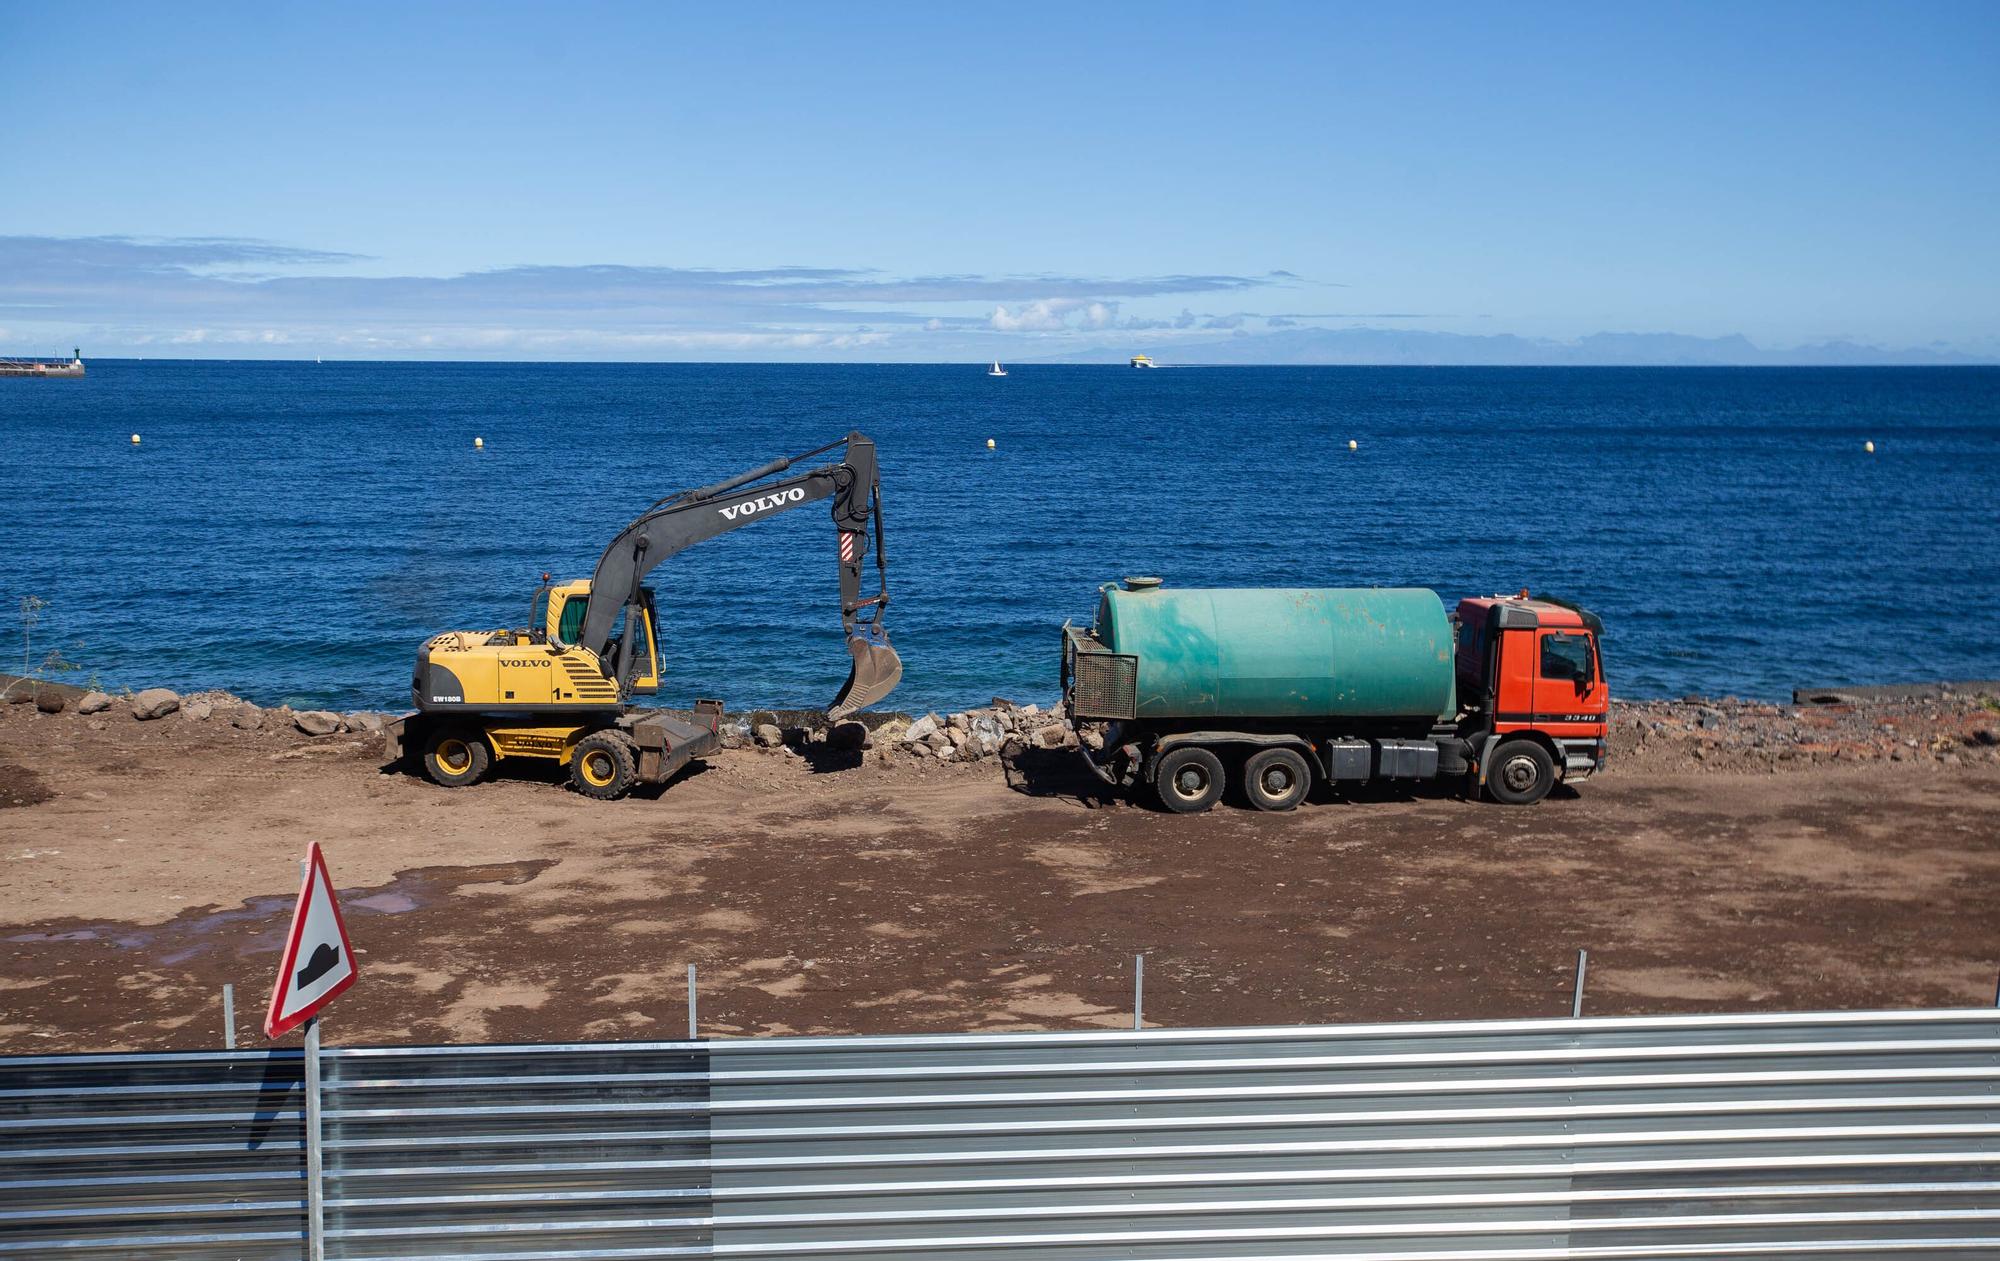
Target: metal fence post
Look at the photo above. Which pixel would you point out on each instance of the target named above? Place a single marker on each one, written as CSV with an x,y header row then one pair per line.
x,y
228,1017
691,1022
1138,991
1576,998
315,1192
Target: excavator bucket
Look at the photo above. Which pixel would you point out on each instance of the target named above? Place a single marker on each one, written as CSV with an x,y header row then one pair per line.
x,y
877,670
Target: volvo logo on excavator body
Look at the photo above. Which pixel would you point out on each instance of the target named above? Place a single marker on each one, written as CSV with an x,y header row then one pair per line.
x,y
763,503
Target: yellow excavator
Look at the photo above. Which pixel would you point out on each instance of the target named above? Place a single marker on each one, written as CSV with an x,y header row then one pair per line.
x,y
562,689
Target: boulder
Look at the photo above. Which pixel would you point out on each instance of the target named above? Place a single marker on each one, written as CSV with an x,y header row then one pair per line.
x,y
958,736
938,742
247,717
849,735
767,735
921,730
971,750
1052,736
155,702
317,722
93,703
49,702
195,710
366,721
960,722
762,718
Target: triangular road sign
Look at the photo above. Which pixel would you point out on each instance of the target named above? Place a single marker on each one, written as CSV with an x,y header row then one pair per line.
x,y
319,962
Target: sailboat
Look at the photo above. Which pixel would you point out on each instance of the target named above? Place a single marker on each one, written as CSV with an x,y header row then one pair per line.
x,y
996,371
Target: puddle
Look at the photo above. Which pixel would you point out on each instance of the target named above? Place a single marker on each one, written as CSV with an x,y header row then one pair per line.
x,y
195,933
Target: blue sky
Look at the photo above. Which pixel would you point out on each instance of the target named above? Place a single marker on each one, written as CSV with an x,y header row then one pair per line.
x,y
940,182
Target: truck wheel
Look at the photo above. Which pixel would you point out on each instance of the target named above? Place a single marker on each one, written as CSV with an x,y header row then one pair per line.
x,y
1523,773
456,757
605,766
1189,780
1276,779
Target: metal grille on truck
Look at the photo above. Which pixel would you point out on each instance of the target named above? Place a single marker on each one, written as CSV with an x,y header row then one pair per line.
x,y
1107,685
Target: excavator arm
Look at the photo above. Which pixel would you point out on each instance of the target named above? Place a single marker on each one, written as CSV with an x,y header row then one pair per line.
x,y
679,521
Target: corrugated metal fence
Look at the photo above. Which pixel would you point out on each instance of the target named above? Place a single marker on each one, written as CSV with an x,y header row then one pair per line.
x,y
1848,1135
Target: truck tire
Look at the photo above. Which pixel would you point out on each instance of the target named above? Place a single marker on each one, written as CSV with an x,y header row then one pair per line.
x,y
604,766
1276,779
1522,773
456,757
1189,780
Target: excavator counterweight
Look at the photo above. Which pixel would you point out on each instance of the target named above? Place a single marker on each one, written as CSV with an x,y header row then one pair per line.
x,y
562,688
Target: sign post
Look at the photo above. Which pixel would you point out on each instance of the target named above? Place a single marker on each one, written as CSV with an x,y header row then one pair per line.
x,y
318,965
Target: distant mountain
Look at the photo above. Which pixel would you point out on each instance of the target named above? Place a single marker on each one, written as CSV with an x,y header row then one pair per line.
x,y
1389,346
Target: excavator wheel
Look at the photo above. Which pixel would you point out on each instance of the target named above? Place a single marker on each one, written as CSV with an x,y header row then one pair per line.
x,y
456,756
605,766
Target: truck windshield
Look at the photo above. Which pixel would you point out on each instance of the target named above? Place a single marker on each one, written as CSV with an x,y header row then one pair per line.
x,y
1567,657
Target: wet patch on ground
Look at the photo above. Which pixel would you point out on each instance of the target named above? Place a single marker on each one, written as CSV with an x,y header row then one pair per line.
x,y
20,786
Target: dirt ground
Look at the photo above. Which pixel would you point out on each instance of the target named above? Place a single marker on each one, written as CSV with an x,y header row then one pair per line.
x,y
142,865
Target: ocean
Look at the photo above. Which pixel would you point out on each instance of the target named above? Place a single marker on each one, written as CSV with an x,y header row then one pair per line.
x,y
292,531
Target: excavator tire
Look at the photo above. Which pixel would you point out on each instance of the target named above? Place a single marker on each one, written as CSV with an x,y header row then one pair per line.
x,y
604,766
456,757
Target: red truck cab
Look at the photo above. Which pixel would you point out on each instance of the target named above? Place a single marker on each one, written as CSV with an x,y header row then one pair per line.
x,y
1531,688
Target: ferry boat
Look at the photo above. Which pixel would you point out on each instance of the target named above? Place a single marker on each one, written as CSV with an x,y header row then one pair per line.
x,y
70,367
1143,361
996,371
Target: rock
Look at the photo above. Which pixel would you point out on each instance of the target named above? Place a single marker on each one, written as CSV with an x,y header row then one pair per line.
x,y
1002,704
317,722
938,742
366,722
849,735
921,730
971,750
155,702
197,710
49,702
93,703
960,722
1052,736
1014,747
247,717
21,696
762,718
1029,711
958,736
767,735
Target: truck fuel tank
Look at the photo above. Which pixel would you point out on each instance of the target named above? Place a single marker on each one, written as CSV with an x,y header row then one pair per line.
x,y
1281,653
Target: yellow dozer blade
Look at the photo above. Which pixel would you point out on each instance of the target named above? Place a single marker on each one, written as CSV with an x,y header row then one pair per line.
x,y
877,670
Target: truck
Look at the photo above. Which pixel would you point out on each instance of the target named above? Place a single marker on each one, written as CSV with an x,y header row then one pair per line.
x,y
1184,693
564,688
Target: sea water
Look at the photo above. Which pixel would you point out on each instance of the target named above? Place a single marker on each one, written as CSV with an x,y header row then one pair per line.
x,y
292,531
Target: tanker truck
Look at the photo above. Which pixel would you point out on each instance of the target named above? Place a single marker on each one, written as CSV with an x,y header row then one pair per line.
x,y
1185,693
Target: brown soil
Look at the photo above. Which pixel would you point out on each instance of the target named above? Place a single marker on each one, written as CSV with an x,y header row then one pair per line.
x,y
142,865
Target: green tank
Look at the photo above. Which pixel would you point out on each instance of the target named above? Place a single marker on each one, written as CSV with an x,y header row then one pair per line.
x,y
1323,652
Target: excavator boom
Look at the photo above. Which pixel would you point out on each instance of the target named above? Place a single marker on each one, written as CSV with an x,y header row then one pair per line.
x,y
678,522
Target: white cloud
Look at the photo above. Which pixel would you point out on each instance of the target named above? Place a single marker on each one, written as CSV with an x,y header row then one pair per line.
x,y
1052,315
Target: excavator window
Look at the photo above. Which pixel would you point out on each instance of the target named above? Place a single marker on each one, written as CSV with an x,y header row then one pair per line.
x,y
570,625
